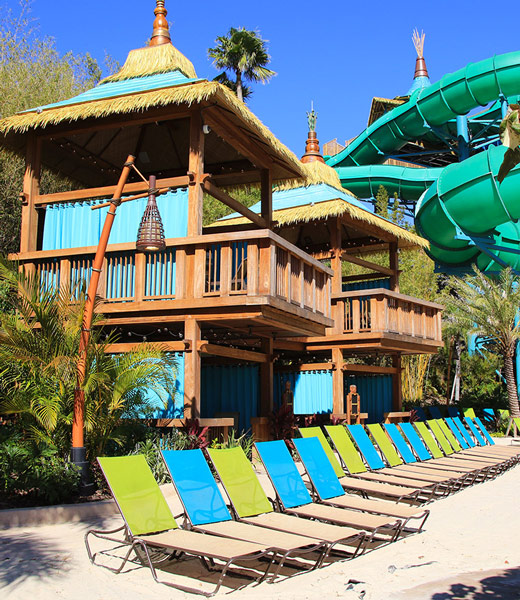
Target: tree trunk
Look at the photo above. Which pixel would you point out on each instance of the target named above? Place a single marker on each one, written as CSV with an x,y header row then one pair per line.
x,y
512,393
239,86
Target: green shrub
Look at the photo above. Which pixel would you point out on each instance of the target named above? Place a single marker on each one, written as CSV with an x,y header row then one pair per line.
x,y
31,475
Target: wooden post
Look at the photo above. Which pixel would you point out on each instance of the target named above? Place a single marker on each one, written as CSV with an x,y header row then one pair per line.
x,y
140,276
335,249
266,378
192,370
397,390
31,189
196,166
266,196
394,265
337,382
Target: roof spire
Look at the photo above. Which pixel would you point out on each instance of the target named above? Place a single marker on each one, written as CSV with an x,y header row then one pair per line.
x,y
420,63
161,29
312,146
421,78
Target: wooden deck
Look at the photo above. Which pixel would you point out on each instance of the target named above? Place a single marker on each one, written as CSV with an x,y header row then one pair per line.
x,y
367,320
249,275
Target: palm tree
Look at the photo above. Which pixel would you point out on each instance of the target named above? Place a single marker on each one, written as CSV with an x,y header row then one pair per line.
x,y
39,345
490,307
244,53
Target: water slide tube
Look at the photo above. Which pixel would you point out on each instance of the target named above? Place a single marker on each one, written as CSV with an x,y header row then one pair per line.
x,y
469,217
457,93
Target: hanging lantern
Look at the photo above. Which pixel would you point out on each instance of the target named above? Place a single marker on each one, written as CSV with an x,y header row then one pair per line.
x,y
150,235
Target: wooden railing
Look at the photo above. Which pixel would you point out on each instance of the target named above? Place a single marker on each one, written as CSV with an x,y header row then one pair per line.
x,y
384,311
252,263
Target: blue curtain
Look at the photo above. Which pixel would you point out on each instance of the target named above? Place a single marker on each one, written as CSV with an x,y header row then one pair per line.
x,y
74,225
231,389
375,392
312,391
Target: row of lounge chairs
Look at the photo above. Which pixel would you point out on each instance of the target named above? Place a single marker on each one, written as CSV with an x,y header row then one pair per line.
x,y
489,415
372,494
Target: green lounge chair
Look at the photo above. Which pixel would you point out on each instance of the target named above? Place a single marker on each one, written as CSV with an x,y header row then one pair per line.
x,y
150,527
353,483
207,512
251,504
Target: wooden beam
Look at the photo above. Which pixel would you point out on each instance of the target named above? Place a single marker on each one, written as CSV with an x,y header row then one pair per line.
x,y
363,277
327,366
266,196
367,264
196,166
335,247
192,371
222,422
168,346
106,191
338,386
234,353
266,379
236,138
368,228
31,187
397,388
228,200
369,369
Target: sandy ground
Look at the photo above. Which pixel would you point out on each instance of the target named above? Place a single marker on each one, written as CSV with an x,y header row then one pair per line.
x,y
470,548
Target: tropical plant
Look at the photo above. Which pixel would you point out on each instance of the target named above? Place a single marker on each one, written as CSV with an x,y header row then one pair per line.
x,y
489,307
39,342
243,53
413,377
244,441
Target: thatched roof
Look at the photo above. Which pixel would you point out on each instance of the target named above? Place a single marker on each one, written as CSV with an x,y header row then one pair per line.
x,y
126,93
152,60
319,202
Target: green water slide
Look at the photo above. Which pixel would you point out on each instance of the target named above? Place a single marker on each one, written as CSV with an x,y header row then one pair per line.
x,y
463,211
457,93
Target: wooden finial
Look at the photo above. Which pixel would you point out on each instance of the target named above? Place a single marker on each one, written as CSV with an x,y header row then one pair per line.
x,y
312,147
161,29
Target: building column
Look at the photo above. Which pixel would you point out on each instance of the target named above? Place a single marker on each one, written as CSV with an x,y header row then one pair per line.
x,y
338,386
196,167
31,189
266,196
266,379
394,265
397,387
192,370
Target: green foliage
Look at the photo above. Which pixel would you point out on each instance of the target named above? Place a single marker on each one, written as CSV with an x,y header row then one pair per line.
x,y
244,54
32,73
214,209
244,441
39,343
381,206
32,474
418,277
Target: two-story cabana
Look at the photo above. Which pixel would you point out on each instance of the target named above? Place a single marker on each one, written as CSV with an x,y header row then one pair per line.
x,y
221,297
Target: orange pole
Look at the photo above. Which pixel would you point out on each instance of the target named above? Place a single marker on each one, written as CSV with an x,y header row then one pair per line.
x,y
79,396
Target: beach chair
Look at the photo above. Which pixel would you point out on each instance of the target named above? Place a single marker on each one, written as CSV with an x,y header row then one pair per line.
x,y
207,512
435,412
482,449
452,449
453,411
491,443
426,464
467,412
294,497
436,484
447,462
489,417
149,527
353,482
419,411
479,447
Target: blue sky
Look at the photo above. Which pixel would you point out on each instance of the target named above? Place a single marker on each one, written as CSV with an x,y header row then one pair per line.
x,y
339,54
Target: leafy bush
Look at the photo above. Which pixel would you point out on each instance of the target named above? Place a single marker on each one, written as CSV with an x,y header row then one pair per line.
x,y
31,475
244,441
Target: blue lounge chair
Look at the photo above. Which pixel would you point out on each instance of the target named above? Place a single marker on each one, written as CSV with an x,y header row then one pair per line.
x,y
291,490
207,512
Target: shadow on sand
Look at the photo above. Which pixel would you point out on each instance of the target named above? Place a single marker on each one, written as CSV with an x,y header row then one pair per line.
x,y
498,585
